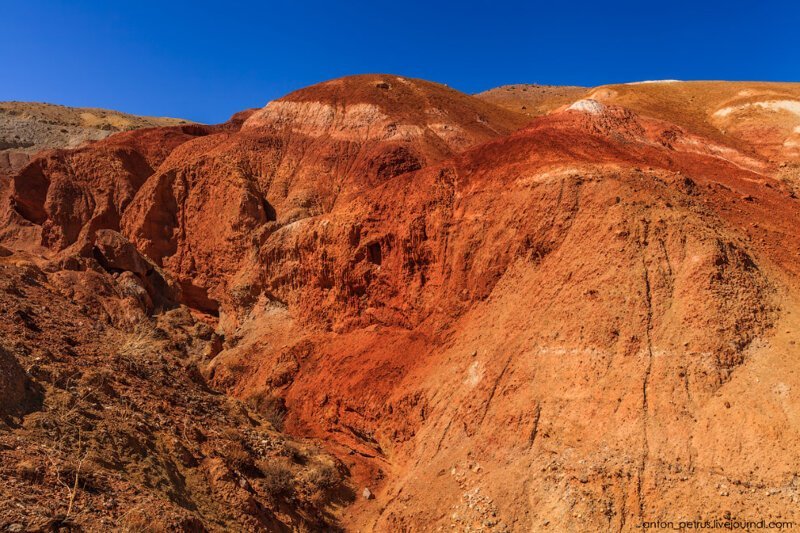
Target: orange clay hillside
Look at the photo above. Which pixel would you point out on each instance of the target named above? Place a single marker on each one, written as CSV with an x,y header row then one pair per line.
x,y
409,309
752,116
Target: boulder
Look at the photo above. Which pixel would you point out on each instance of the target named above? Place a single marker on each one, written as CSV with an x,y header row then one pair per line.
x,y
115,252
17,394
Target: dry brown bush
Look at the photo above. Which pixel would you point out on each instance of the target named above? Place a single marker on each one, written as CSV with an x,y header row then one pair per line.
x,y
278,479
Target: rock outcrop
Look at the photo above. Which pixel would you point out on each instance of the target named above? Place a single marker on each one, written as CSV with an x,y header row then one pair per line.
x,y
72,193
17,394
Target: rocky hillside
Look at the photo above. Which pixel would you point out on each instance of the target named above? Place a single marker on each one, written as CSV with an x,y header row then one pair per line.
x,y
29,127
409,309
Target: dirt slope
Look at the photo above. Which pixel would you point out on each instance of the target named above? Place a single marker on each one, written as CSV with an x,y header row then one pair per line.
x,y
106,423
532,100
29,127
576,321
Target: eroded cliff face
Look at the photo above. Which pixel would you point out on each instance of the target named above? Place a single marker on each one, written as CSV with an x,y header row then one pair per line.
x,y
584,320
71,193
229,195
547,310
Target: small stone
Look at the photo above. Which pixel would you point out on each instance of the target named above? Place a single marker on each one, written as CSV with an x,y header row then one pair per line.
x,y
367,494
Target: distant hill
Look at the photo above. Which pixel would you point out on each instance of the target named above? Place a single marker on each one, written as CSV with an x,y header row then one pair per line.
x,y
28,127
760,117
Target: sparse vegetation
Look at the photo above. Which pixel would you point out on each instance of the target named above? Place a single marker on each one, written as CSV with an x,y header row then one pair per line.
x,y
272,408
324,476
128,436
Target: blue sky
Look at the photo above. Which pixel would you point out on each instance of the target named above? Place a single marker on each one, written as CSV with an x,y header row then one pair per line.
x,y
206,60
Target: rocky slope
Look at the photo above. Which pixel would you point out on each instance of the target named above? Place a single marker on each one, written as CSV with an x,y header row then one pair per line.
x,y
106,423
491,321
30,127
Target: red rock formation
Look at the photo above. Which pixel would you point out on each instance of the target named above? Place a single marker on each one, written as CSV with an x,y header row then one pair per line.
x,y
72,193
215,201
596,251
491,322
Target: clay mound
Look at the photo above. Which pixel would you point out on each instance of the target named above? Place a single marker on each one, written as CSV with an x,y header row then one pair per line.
x,y
29,127
214,202
386,107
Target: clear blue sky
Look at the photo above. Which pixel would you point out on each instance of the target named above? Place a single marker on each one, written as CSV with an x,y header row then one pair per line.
x,y
205,60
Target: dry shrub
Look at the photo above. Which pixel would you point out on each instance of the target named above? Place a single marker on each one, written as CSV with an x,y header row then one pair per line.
x,y
237,457
324,476
278,479
137,520
272,408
